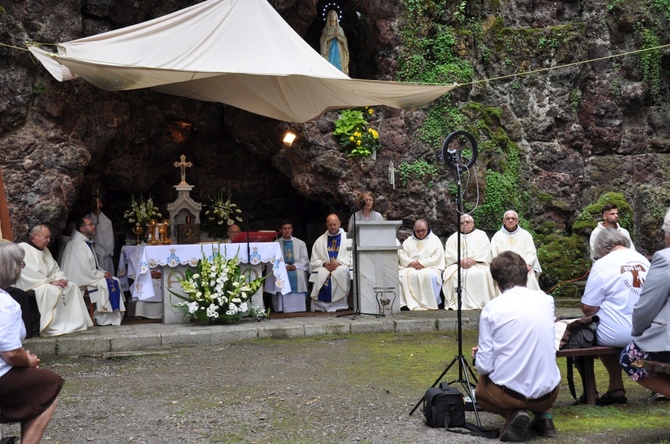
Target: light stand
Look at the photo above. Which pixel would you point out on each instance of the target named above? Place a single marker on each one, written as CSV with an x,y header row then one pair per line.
x,y
452,152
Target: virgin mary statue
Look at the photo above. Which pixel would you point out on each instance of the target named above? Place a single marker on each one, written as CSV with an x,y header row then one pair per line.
x,y
334,46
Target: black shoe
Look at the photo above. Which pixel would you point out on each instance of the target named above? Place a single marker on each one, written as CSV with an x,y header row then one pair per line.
x,y
513,430
543,427
404,308
608,399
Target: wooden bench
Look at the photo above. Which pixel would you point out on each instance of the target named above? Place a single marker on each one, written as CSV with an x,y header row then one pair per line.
x,y
588,354
657,366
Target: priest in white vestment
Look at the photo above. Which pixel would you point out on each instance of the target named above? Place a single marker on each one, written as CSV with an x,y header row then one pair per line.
x,y
103,240
61,302
477,287
80,264
296,259
331,259
421,265
511,237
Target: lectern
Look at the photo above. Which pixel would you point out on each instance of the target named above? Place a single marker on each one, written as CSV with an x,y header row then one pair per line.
x,y
377,251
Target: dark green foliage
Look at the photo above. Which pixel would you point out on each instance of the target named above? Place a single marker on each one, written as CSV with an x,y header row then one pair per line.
x,y
563,258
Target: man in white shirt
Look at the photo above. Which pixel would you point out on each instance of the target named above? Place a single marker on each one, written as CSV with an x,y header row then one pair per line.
x,y
516,355
610,215
511,237
421,265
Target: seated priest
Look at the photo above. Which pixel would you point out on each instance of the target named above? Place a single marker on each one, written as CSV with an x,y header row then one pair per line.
x,y
421,265
80,263
477,286
331,259
60,302
297,268
511,237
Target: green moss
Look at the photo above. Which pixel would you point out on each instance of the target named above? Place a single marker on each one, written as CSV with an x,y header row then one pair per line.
x,y
563,258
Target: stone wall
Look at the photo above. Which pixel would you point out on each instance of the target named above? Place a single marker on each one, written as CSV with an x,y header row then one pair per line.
x,y
582,130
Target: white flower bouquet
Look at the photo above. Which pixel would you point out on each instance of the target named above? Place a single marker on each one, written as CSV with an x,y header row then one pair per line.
x,y
217,291
141,212
222,213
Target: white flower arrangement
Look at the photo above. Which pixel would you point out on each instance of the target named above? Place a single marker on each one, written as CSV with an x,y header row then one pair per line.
x,y
223,211
218,291
141,212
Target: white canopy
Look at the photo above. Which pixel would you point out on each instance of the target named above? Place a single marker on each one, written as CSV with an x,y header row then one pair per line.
x,y
238,52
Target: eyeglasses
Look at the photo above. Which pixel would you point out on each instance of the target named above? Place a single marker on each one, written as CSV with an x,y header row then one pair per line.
x,y
511,218
90,225
420,231
466,222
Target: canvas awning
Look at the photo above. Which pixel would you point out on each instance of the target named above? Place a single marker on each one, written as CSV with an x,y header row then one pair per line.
x,y
238,52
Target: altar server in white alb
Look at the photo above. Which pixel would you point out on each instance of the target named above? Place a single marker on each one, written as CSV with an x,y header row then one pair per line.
x,y
511,237
80,263
297,268
477,286
103,240
421,266
331,259
61,302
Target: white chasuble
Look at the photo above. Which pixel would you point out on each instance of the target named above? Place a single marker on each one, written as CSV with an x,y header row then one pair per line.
x,y
521,242
79,263
420,289
477,287
340,278
62,309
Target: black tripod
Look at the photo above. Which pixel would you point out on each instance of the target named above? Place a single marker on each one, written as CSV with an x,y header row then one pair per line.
x,y
453,158
357,294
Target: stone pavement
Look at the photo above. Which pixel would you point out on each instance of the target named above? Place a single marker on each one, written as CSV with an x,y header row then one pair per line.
x,y
155,336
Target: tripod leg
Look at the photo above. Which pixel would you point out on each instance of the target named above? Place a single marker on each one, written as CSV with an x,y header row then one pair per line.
x,y
471,390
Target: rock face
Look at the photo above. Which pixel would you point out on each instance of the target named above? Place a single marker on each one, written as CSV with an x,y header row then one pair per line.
x,y
582,130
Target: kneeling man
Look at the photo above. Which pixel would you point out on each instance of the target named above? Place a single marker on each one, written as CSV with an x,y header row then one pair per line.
x,y
79,262
516,354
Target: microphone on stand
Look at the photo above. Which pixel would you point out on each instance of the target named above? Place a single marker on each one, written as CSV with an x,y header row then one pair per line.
x,y
361,203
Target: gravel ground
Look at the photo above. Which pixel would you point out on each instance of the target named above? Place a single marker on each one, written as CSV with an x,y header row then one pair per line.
x,y
326,390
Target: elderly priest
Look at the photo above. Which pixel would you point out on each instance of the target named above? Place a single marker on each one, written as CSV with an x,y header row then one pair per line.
x,y
61,302
331,258
421,264
477,286
80,264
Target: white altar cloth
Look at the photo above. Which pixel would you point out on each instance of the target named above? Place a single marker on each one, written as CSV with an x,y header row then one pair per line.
x,y
137,261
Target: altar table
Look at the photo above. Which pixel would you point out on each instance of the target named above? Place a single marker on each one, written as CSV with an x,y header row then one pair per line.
x,y
137,262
